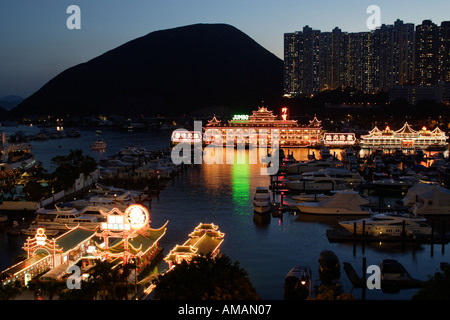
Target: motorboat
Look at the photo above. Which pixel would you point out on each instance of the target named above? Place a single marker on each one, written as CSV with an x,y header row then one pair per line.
x,y
297,284
340,203
391,224
304,197
329,267
392,270
392,185
63,219
313,165
411,196
310,185
336,174
432,202
99,145
261,200
31,231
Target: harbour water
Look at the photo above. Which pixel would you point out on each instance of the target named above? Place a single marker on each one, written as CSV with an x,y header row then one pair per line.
x,y
222,194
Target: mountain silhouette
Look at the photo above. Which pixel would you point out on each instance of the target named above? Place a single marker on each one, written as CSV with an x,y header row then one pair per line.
x,y
169,72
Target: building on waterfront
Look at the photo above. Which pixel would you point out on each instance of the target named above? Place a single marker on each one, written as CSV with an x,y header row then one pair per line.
x,y
205,239
123,237
241,127
404,138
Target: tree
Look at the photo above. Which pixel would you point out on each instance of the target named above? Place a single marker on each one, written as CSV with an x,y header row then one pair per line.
x,y
437,287
205,278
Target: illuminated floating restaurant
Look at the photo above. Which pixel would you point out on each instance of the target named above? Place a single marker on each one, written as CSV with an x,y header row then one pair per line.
x,y
404,138
124,237
257,129
205,239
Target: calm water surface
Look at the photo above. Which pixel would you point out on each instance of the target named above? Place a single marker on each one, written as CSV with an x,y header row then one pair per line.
x,y
223,194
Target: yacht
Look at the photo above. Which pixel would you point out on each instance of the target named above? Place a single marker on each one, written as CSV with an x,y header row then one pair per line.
x,y
432,202
99,145
336,174
340,203
313,165
303,197
389,224
261,200
315,184
63,219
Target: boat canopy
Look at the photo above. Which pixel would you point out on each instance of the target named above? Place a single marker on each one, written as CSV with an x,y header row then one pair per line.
x,y
416,190
344,199
439,196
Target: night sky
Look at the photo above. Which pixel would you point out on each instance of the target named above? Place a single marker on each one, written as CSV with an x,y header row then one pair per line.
x,y
36,45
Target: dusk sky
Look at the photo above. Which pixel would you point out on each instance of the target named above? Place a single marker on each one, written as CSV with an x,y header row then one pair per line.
x,y
35,44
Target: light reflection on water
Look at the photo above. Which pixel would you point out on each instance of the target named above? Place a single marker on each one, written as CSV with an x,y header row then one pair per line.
x,y
222,194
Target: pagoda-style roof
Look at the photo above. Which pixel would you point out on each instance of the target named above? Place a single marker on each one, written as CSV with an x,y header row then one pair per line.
x,y
214,121
437,131
139,243
205,239
315,122
406,129
73,238
375,131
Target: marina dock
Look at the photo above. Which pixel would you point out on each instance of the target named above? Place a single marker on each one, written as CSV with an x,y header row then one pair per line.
x,y
335,235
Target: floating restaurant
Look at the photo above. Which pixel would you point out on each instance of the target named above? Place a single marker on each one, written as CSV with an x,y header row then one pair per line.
x,y
259,127
205,239
404,138
123,237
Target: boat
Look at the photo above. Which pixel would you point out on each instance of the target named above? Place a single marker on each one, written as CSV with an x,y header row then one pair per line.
x,y
297,284
261,200
63,219
432,202
31,231
392,185
412,195
3,218
340,203
303,197
329,267
99,145
389,224
394,277
313,165
337,174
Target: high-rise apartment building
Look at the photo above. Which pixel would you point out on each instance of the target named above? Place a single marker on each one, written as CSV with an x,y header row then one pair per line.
x,y
372,61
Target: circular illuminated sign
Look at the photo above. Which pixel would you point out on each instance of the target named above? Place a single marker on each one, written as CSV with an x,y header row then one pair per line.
x,y
137,215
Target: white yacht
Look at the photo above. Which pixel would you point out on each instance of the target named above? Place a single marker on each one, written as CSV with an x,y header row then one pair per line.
x,y
313,165
432,202
261,200
63,219
340,203
303,197
315,184
336,174
389,224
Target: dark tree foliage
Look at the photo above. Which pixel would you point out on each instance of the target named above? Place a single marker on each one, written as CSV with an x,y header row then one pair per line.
x,y
205,278
437,287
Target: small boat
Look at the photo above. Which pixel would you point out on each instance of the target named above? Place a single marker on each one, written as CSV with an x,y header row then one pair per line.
x,y
99,145
3,218
395,277
340,203
261,200
329,267
297,284
391,224
31,231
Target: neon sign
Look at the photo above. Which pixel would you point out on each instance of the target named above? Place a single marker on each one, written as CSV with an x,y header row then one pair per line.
x,y
135,217
240,117
339,138
284,113
186,136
